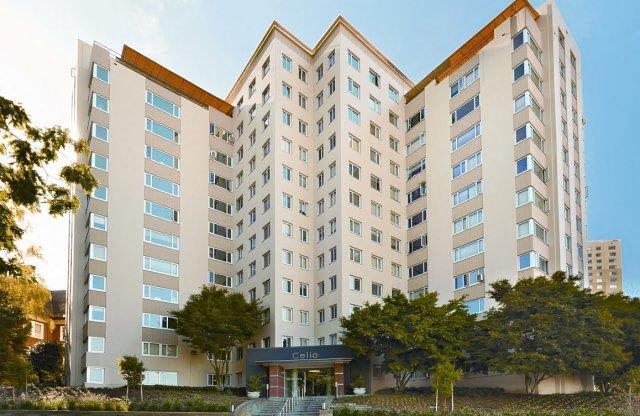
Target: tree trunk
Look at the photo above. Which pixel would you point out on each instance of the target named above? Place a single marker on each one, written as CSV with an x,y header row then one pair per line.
x,y
127,391
452,397
141,398
436,399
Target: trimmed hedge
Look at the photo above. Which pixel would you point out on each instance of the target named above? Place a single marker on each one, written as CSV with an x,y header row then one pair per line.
x,y
345,411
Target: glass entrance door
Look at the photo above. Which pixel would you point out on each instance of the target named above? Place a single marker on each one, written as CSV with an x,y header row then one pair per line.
x,y
300,382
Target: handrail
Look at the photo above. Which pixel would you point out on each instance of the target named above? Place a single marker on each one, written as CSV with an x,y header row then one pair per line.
x,y
288,406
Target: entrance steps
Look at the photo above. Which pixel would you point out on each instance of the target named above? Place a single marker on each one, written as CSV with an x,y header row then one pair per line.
x,y
306,406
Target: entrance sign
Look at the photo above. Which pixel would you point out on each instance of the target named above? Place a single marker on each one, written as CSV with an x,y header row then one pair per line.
x,y
304,355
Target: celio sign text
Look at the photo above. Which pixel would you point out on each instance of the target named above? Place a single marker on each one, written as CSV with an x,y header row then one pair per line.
x,y
304,355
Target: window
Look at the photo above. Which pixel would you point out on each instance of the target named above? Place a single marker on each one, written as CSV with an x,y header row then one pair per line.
x,y
168,378
354,198
319,72
374,78
376,263
355,283
526,100
416,219
163,104
220,255
395,244
465,137
468,221
286,118
418,269
321,317
374,130
220,230
266,287
332,86
355,255
160,294
394,144
468,279
374,156
527,131
100,73
353,60
161,157
465,109
286,173
393,118
99,131
394,169
320,289
467,193
467,164
98,222
465,80
266,66
287,314
376,289
161,184
37,330
220,206
353,88
97,252
525,68
375,183
159,350
302,180
220,181
354,143
304,317
97,313
374,104
100,192
302,127
97,282
164,240
475,306
376,236
333,283
393,94
95,375
530,195
529,163
304,290
531,260
302,74
531,227
286,63
417,193
468,250
416,143
100,102
376,209
161,130
417,243
525,37
287,257
415,119
95,345
332,114
266,94
333,312
353,115
416,168
286,90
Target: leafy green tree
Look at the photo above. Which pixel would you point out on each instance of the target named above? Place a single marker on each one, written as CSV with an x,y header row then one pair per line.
x,y
19,372
14,331
410,335
25,152
132,371
543,327
47,360
214,321
445,376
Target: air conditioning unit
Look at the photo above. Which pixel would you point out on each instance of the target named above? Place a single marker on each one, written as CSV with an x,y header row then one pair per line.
x,y
481,277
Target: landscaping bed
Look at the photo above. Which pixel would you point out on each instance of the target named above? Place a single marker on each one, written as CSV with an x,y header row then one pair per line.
x,y
485,403
156,399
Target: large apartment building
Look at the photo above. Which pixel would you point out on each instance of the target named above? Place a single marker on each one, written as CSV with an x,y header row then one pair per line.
x,y
604,266
324,180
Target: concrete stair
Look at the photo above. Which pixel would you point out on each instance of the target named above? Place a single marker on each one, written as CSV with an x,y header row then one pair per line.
x,y
269,407
307,406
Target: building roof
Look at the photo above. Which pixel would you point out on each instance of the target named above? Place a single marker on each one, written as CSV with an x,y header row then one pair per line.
x,y
171,80
340,21
470,47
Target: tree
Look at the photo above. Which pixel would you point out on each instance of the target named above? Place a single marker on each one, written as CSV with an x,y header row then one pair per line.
x,y
214,321
627,311
445,376
25,152
545,327
27,291
132,371
47,359
410,335
19,372
14,331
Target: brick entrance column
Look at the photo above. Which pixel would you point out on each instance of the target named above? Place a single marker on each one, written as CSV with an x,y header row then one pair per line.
x,y
338,373
276,380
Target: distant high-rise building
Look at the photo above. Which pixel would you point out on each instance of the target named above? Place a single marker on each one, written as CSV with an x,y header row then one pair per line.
x,y
604,266
325,179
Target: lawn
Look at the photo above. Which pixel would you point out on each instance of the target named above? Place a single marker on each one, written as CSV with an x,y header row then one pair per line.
x,y
470,403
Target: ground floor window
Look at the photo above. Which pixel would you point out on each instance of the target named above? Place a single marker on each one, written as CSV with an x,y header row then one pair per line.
x,y
226,379
168,378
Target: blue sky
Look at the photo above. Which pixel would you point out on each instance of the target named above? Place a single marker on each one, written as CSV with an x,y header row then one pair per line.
x,y
208,42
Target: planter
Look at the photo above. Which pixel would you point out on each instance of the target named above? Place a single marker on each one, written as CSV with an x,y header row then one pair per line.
x,y
359,391
253,394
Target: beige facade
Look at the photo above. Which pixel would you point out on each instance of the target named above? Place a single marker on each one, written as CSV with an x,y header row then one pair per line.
x,y
604,266
331,181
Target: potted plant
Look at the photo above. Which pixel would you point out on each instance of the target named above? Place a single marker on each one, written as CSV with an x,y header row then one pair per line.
x,y
254,386
357,384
